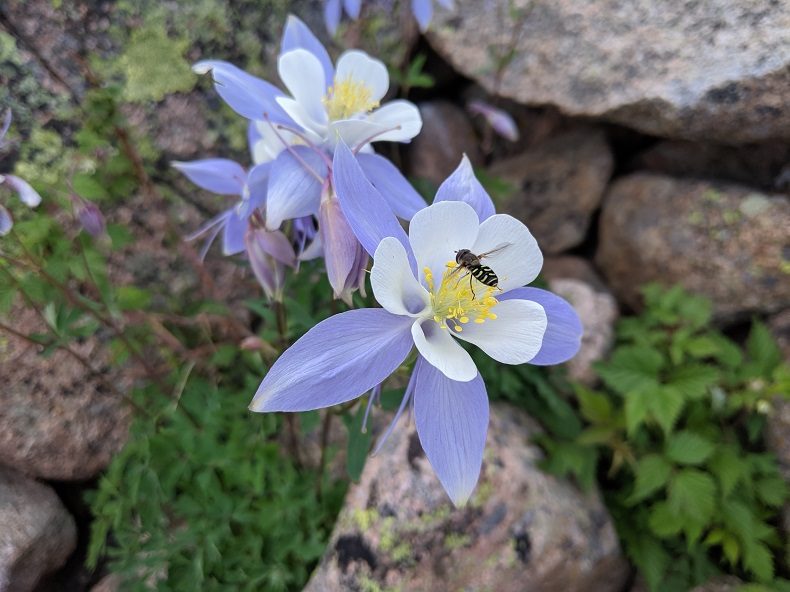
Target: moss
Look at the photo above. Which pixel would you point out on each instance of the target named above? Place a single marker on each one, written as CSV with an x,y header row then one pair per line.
x,y
456,540
364,519
401,553
482,494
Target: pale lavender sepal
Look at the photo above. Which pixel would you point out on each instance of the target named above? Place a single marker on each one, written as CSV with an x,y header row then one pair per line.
x,y
452,421
298,35
564,330
499,120
269,272
340,248
332,15
254,136
26,193
233,233
352,8
462,185
218,175
423,12
295,182
337,360
246,94
275,244
6,124
6,222
393,186
366,210
255,190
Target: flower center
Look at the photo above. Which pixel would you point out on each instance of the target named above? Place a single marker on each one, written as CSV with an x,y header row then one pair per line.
x,y
460,298
347,98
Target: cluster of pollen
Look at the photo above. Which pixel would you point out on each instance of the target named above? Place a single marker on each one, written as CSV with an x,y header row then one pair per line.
x,y
347,98
454,304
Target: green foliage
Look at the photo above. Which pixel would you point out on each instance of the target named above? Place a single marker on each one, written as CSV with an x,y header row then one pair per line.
x,y
204,499
678,425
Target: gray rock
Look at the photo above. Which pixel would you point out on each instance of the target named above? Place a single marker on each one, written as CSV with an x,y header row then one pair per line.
x,y
110,583
522,529
37,533
714,70
722,241
558,185
447,134
598,312
56,421
779,325
720,584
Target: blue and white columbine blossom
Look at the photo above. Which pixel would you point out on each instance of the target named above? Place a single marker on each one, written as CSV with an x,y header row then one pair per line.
x,y
22,188
298,135
421,9
427,304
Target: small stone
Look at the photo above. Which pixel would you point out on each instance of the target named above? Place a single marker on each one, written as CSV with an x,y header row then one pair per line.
x,y
56,421
521,530
598,312
110,583
37,534
713,71
557,185
655,228
446,136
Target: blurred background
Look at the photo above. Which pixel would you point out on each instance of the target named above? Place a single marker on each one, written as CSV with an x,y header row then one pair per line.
x,y
652,164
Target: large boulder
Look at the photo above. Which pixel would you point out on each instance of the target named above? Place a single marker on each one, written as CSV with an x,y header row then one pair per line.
x,y
522,529
722,241
557,185
716,70
57,421
37,534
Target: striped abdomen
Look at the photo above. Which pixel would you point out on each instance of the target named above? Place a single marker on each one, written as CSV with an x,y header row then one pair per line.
x,y
484,275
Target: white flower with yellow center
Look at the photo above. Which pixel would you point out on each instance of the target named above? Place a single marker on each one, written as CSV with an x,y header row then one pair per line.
x,y
348,107
447,302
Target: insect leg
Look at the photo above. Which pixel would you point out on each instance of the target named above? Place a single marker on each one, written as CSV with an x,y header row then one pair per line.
x,y
470,286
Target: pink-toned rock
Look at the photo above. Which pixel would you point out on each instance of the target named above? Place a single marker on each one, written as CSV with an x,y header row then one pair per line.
x,y
110,583
522,529
713,71
56,421
557,185
723,241
446,136
37,534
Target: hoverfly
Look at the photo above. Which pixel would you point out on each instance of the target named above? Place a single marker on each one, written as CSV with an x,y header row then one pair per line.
x,y
474,269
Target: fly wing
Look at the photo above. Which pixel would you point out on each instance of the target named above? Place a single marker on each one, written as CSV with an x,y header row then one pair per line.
x,y
496,249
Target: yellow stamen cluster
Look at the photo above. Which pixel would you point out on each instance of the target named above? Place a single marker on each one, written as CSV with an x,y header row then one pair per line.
x,y
347,98
454,304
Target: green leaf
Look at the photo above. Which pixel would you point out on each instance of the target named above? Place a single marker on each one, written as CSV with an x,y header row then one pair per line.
x,y
728,467
703,346
595,407
688,448
757,558
358,443
632,368
652,473
762,348
636,410
132,298
693,380
665,404
692,494
664,521
772,491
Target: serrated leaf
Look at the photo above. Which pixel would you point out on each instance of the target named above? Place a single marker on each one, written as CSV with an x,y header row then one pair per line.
x,y
772,491
632,368
652,473
665,405
728,467
757,559
636,410
703,346
595,407
692,494
688,448
693,380
762,347
664,521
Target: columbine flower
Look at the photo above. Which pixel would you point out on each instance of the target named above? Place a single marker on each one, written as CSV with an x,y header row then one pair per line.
x,y
89,215
428,304
499,120
422,10
226,177
22,188
268,252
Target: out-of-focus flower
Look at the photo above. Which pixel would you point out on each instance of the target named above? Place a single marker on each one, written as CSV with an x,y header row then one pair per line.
x,y
268,253
421,9
226,177
22,188
429,302
89,215
499,120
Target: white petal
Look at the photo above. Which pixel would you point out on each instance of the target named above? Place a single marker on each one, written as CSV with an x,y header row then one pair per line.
x,y
436,232
360,67
394,284
402,115
314,130
515,265
442,351
514,337
303,75
354,132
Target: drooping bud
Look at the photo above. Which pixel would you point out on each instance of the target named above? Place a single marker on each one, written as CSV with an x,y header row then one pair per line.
x,y
90,217
344,256
499,120
268,251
